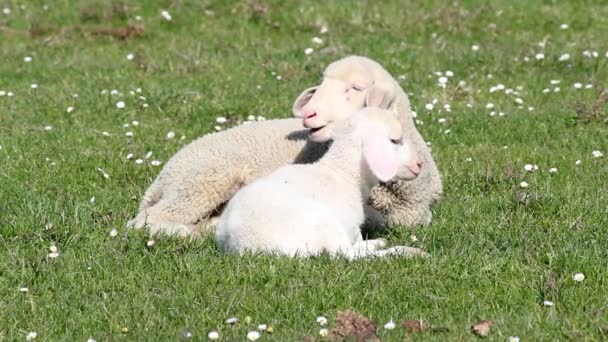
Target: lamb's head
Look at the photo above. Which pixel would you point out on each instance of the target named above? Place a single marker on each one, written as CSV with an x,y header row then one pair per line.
x,y
386,151
348,84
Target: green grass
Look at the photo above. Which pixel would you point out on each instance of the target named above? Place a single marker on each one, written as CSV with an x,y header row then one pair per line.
x,y
498,251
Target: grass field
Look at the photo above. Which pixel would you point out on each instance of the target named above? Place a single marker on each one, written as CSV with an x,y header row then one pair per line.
x,y
499,250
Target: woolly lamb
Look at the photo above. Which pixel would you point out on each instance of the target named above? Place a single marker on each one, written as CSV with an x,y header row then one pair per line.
x,y
399,202
199,179
202,176
303,210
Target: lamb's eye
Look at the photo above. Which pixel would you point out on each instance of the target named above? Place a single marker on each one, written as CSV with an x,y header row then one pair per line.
x,y
357,87
396,141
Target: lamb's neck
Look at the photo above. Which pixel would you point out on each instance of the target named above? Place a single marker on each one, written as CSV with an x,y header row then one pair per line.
x,y
346,159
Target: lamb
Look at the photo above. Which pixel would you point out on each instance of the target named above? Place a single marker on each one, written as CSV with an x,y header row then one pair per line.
x,y
306,209
197,182
398,202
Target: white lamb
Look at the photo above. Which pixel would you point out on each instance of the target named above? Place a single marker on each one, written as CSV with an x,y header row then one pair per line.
x,y
399,202
198,180
303,210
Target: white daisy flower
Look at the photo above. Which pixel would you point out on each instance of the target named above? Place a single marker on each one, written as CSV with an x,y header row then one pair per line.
x,y
166,15
578,277
390,325
213,335
253,335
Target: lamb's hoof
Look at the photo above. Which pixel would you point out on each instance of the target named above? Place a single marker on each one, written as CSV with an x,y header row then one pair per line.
x,y
171,229
407,251
375,244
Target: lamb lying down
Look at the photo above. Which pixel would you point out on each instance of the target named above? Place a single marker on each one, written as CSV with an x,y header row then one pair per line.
x,y
305,209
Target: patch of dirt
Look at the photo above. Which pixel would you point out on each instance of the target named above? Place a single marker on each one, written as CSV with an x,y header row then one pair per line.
x,y
416,325
350,325
127,32
482,328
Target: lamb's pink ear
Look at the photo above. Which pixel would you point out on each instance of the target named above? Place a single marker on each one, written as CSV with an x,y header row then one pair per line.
x,y
379,154
302,100
380,95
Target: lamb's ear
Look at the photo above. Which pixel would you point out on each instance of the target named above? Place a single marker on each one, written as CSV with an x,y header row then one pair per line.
x,y
379,154
380,94
302,100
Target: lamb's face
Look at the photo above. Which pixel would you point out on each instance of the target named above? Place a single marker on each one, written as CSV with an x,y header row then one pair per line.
x,y
333,100
348,85
409,164
388,153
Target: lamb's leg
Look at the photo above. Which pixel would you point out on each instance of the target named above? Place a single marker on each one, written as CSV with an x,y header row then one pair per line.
x,y
364,247
152,195
404,251
373,245
186,209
